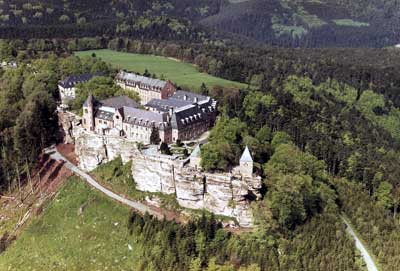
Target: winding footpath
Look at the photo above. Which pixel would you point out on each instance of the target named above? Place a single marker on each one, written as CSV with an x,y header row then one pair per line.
x,y
54,154
371,266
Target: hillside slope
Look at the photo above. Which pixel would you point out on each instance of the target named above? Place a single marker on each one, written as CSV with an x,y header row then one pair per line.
x,y
150,19
310,23
305,23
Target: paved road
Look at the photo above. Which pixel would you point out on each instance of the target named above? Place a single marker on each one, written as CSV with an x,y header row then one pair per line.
x,y
371,266
136,205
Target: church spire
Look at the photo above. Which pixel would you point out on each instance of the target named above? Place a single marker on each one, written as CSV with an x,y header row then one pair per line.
x,y
246,156
246,163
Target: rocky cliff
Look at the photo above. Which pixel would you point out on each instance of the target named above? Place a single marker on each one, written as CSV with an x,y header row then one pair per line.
x,y
223,194
68,122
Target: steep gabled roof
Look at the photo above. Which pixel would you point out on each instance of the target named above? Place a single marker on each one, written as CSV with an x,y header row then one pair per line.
x,y
246,156
187,115
141,79
73,80
90,100
119,102
164,105
144,118
188,96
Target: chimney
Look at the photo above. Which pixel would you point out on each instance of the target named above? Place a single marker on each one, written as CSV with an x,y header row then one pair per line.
x,y
171,111
196,99
185,97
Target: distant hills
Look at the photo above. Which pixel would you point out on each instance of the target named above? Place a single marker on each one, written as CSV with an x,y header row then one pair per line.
x,y
289,23
312,23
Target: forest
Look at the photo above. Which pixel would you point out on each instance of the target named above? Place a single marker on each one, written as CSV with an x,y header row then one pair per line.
x,y
322,125
338,105
303,23
28,117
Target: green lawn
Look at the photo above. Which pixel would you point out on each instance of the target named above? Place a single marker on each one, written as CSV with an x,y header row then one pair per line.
x,y
118,177
349,22
64,238
183,74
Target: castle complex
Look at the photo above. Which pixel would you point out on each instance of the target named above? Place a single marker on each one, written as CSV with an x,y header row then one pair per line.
x,y
111,128
168,116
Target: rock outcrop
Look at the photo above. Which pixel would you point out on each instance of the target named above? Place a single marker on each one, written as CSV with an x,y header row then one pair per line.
x,y
221,193
68,123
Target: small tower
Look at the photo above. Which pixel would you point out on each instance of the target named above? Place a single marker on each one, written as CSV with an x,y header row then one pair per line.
x,y
88,113
195,158
246,163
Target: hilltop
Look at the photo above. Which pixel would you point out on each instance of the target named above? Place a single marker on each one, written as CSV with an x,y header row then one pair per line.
x,y
300,23
310,23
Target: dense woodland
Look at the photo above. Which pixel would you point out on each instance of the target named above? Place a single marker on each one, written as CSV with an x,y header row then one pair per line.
x,y
302,23
311,23
323,126
339,106
28,119
202,244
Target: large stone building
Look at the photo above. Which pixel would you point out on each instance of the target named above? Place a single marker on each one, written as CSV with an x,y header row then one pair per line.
x,y
184,116
67,87
120,116
147,88
191,114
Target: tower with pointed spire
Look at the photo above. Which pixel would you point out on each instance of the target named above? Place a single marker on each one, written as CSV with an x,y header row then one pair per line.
x,y
88,113
246,163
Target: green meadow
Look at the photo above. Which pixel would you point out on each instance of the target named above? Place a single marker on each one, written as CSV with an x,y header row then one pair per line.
x,y
183,74
349,22
80,230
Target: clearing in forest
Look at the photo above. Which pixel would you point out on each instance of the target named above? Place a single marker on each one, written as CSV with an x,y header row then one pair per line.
x,y
82,229
183,74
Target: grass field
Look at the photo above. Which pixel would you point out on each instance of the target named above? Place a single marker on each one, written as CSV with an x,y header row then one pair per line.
x,y
349,22
80,230
183,74
118,177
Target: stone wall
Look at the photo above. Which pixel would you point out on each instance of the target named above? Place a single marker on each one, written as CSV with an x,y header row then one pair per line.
x,y
223,194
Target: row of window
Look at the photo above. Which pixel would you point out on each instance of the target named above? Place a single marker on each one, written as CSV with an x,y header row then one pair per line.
x,y
137,128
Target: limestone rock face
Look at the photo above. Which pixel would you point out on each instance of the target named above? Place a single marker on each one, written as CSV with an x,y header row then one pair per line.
x,y
223,194
68,121
153,174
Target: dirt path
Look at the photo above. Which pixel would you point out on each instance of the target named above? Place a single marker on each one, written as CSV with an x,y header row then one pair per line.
x,y
371,266
54,154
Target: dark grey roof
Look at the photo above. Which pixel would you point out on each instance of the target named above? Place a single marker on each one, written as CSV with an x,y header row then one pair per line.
x,y
90,99
143,117
163,105
188,115
104,115
119,102
142,80
188,96
73,80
